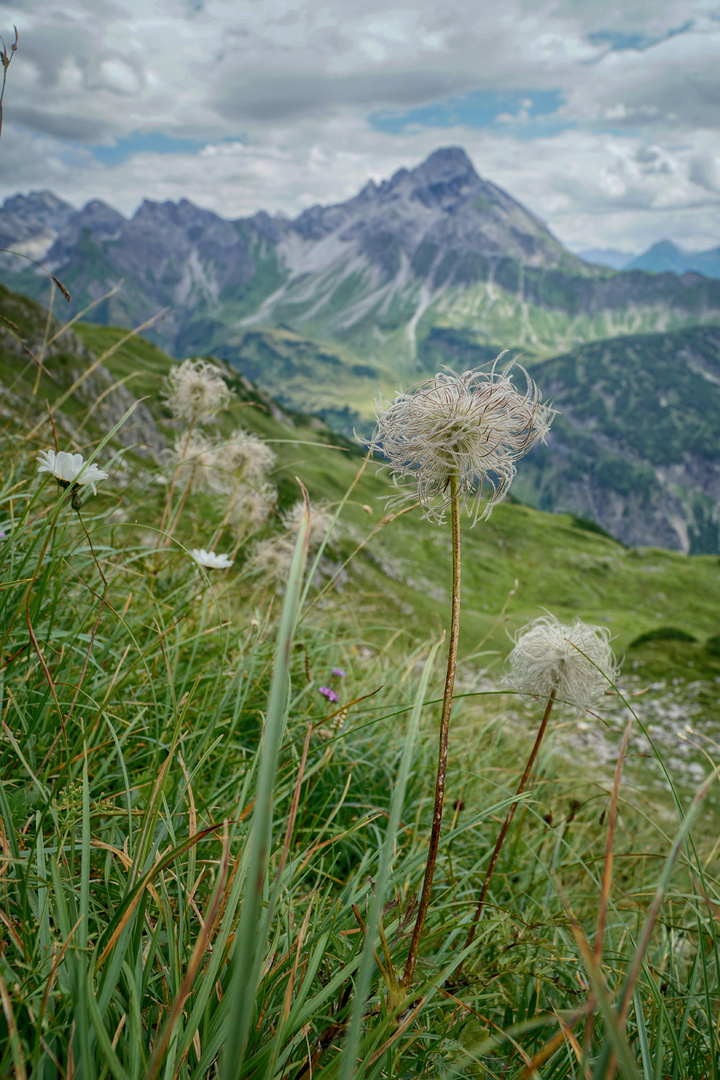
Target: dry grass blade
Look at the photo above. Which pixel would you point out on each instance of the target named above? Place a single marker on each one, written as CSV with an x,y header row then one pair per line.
x,y
194,964
15,1045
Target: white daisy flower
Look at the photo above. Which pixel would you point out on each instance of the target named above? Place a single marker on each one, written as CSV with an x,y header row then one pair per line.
x,y
70,469
210,560
575,661
473,426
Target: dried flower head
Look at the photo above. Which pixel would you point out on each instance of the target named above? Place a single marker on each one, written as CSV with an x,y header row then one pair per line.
x,y
249,509
474,426
210,560
195,461
321,522
273,559
70,469
195,390
575,661
242,457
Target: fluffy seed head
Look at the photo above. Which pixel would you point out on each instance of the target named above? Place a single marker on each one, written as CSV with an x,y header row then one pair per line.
x,y
70,469
320,523
575,661
475,426
273,559
195,390
195,460
249,509
242,458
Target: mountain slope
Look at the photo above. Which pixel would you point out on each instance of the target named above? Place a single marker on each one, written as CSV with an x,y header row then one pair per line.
x,y
383,275
636,444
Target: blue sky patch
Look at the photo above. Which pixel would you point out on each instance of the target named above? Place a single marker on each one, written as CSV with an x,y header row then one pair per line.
x,y
525,113
151,142
619,42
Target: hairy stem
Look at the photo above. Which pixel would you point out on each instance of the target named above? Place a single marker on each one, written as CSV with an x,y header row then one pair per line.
x,y
443,743
510,814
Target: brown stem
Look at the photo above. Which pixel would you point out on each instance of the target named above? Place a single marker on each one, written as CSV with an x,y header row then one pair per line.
x,y
443,743
510,814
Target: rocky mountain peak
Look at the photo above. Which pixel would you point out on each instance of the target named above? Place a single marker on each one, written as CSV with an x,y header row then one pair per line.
x,y
41,214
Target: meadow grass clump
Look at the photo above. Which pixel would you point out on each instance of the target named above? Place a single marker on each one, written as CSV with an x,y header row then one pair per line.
x,y
216,804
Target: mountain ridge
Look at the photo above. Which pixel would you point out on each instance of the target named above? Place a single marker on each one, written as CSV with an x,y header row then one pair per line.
x,y
433,248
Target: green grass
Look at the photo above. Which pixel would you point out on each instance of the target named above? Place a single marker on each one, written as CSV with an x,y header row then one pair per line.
x,y
194,840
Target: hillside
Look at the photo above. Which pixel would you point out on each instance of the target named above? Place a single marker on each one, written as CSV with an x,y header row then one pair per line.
x,y
217,785
636,444
532,559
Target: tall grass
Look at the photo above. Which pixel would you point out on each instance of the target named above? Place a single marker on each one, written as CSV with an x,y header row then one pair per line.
x,y
211,870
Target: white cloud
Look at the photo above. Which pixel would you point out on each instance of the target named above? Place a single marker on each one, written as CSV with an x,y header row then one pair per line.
x,y
290,88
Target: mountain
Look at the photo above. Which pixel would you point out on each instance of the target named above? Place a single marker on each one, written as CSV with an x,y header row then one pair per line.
x,y
612,257
635,446
666,257
31,223
435,265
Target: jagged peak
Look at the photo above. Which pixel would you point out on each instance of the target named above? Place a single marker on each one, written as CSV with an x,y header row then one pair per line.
x,y
35,199
446,163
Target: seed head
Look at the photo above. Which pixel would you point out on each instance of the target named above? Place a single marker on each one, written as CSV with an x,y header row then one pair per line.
x,y
249,509
242,457
474,426
273,559
321,522
575,661
195,390
194,458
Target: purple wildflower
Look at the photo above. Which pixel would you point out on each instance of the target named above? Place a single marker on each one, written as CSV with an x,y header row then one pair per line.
x,y
328,693
340,672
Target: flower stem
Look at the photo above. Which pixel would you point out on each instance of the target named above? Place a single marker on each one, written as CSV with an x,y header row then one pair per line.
x,y
443,743
510,814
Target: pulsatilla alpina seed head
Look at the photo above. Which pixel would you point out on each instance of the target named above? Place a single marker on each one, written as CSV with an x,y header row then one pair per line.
x,y
575,661
195,390
473,426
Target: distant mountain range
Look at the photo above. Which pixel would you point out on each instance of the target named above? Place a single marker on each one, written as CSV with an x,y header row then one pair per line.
x,y
434,266
662,258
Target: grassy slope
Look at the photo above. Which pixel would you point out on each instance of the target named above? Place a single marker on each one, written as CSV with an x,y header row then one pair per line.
x,y
558,562
208,683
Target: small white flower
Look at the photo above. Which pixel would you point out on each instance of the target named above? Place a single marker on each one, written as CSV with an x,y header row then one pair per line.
x,y
575,661
473,426
195,390
210,560
70,469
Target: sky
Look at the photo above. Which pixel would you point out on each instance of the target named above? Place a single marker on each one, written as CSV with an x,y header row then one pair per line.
x,y
601,117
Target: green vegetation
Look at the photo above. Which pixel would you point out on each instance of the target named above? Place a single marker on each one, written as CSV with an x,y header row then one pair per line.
x,y
194,838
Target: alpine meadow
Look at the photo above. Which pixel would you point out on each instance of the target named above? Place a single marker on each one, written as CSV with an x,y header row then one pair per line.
x,y
359,644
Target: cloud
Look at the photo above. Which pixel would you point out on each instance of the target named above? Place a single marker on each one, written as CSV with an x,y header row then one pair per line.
x,y
602,120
